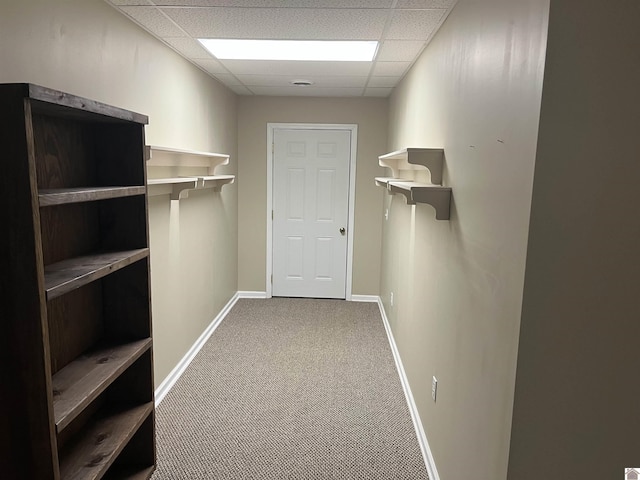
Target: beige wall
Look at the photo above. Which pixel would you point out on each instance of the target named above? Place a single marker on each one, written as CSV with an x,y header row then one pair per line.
x,y
86,48
577,388
370,114
457,284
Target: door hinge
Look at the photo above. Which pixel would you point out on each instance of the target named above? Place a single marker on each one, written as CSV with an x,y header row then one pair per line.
x,y
271,279
271,214
273,148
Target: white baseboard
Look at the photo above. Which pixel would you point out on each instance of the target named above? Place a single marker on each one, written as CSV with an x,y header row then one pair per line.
x,y
415,416
182,365
365,298
246,294
354,298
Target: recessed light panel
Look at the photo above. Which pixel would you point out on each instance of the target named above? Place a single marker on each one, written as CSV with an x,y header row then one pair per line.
x,y
309,50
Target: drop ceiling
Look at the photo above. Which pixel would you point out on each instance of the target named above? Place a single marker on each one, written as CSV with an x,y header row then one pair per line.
x,y
402,27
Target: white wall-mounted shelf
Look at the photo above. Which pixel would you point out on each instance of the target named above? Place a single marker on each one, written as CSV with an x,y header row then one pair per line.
x,y
415,159
384,181
171,186
179,187
175,157
434,194
216,181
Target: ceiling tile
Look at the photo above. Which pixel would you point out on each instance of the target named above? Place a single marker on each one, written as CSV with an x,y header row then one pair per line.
x,y
283,67
278,3
425,3
399,50
228,79
130,2
390,69
188,47
308,91
378,92
383,81
318,81
280,23
414,24
211,65
240,90
154,21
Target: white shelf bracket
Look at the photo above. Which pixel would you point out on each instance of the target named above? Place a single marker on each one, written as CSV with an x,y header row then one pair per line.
x,y
395,188
415,159
434,194
439,199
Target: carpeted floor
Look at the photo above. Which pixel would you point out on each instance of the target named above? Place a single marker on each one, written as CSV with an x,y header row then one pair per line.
x,y
294,389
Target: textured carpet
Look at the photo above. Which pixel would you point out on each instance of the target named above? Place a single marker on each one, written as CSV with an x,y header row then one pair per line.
x,y
290,389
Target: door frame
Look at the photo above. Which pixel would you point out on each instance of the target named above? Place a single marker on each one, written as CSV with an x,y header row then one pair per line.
x,y
353,128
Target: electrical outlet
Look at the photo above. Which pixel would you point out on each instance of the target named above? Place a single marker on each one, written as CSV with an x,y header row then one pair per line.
x,y
434,388
392,299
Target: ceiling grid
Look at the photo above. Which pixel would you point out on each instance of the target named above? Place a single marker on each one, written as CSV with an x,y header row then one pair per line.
x,y
402,27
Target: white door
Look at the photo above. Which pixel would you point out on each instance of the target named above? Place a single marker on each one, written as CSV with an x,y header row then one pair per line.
x,y
310,212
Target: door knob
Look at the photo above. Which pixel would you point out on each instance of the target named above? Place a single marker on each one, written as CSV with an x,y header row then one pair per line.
x,y
342,231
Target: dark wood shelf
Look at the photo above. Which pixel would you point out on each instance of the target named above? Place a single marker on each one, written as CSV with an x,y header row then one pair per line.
x,y
67,275
53,102
130,474
80,382
91,455
61,196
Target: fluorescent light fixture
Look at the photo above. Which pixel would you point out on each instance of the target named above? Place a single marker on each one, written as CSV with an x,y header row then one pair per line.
x,y
311,50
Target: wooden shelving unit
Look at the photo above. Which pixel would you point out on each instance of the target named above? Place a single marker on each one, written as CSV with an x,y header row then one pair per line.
x,y
76,343
179,186
408,159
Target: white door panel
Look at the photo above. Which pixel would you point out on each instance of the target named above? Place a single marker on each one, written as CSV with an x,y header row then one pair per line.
x,y
310,203
323,258
295,194
325,195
